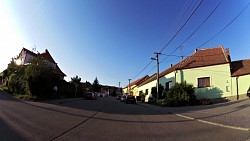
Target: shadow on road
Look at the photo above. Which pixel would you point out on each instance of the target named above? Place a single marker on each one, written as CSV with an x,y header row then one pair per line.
x,y
8,134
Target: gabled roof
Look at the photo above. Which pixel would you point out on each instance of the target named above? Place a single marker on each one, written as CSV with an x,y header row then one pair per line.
x,y
205,57
138,81
241,67
151,78
46,55
29,52
201,58
58,71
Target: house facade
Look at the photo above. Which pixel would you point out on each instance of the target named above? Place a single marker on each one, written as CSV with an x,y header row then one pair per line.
x,y
240,71
26,55
134,86
210,72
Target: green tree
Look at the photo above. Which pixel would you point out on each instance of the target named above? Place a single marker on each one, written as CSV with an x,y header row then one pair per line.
x,y
96,87
12,84
77,82
40,78
15,73
154,91
181,94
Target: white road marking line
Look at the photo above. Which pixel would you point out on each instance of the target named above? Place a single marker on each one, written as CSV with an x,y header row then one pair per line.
x,y
213,123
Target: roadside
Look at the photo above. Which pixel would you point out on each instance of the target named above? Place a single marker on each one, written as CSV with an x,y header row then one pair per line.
x,y
235,114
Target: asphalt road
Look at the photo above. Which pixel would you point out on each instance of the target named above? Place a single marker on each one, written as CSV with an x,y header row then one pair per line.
x,y
102,119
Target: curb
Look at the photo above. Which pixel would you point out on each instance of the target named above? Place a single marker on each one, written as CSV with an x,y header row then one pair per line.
x,y
213,123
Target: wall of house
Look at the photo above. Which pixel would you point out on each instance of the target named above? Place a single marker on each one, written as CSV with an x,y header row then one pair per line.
x,y
27,58
167,78
243,84
125,90
220,80
147,86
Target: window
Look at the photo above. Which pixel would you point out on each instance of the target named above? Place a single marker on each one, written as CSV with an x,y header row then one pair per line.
x,y
146,93
168,85
203,82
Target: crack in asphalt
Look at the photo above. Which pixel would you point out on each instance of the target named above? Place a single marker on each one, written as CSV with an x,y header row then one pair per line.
x,y
73,127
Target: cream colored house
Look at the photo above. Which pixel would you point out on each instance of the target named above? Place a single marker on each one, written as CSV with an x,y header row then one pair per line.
x,y
209,70
240,76
134,86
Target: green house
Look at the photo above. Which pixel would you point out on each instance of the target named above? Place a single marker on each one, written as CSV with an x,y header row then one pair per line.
x,y
209,70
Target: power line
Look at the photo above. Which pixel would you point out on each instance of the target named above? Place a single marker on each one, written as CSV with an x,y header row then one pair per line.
x,y
224,27
174,35
142,69
182,26
186,4
196,29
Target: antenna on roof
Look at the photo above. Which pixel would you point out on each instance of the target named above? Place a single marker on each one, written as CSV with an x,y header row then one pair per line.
x,y
34,48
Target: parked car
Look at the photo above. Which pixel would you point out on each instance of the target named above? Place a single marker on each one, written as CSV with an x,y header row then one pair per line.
x,y
103,95
248,93
123,98
90,95
130,99
118,97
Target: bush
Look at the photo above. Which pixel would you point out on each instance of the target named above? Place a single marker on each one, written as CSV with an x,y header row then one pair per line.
x,y
40,78
181,94
12,84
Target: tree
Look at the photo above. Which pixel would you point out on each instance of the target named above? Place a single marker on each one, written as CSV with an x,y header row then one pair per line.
x,y
154,91
40,78
76,81
181,94
96,86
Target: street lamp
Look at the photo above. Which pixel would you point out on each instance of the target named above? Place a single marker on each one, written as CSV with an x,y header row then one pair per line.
x,y
157,73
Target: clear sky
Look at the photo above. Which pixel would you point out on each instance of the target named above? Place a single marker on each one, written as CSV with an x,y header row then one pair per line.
x,y
114,40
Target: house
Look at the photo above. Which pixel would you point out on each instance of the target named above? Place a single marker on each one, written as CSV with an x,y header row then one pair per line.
x,y
26,55
134,86
209,70
240,72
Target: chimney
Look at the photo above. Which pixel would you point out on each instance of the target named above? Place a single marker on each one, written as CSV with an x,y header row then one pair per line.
x,y
46,51
228,54
171,65
195,50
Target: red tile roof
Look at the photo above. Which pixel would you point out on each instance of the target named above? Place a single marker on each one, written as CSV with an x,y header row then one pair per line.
x,y
46,55
150,79
138,81
58,71
241,67
205,57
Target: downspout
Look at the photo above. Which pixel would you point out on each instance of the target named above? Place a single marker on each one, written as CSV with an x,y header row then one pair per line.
x,y
237,87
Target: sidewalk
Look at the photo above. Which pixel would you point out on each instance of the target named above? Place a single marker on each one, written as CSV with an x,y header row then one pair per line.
x,y
236,113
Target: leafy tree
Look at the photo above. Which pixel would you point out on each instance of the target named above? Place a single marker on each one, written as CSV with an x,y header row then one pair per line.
x,y
12,84
16,77
154,91
96,87
77,82
40,78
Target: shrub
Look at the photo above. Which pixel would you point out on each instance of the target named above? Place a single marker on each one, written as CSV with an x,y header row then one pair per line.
x,y
12,84
40,78
180,94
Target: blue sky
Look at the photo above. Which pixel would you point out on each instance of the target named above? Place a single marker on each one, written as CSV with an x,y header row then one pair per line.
x,y
114,40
